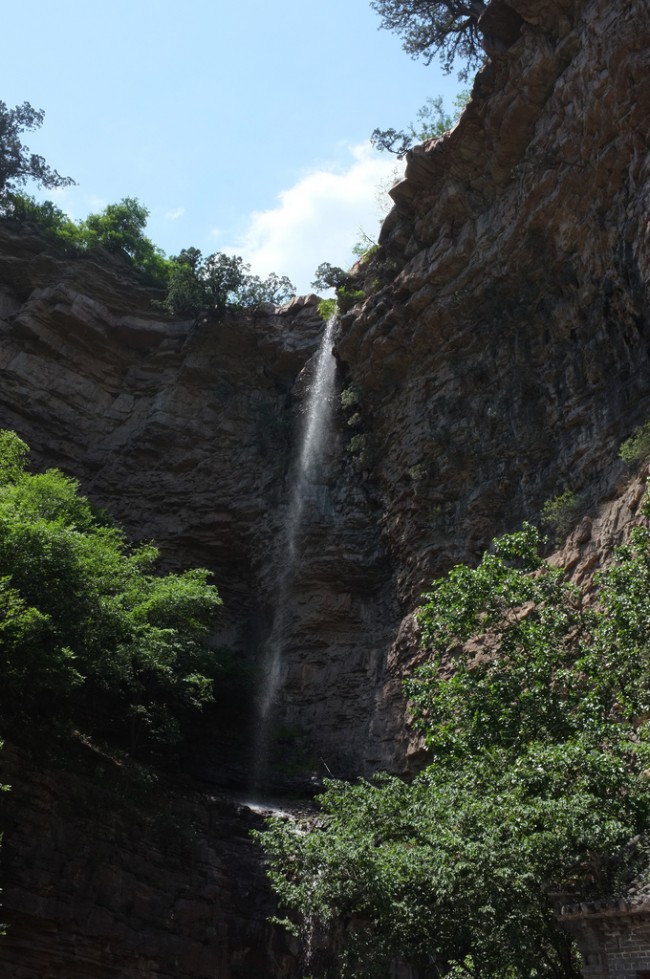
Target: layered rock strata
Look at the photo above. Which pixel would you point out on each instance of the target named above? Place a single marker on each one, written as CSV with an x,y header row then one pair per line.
x,y
503,348
187,433
500,357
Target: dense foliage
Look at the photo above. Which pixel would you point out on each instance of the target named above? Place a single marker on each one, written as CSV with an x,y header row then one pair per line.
x,y
535,708
119,228
328,276
637,447
89,633
448,28
191,283
560,514
219,281
17,164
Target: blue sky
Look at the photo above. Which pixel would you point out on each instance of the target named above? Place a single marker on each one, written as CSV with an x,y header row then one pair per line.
x,y
243,126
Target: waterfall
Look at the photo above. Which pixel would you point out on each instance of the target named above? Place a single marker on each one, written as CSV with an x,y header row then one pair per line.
x,y
314,437
306,476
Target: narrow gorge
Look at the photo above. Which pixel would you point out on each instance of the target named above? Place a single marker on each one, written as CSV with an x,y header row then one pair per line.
x,y
498,355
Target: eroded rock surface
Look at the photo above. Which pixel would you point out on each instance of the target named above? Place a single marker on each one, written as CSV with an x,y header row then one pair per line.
x,y
505,356
106,880
187,433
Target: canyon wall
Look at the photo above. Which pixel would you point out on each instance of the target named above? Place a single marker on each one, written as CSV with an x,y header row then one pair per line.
x,y
503,350
107,875
499,357
187,433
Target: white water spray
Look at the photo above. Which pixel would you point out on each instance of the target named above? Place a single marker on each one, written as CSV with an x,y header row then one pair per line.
x,y
308,474
314,437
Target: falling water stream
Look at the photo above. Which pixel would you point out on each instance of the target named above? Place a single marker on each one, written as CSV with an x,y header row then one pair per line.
x,y
306,477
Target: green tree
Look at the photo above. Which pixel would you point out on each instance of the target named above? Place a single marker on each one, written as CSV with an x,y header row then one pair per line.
x,y
560,514
223,276
539,742
637,447
17,164
219,282
276,289
88,631
119,228
186,292
448,28
51,221
432,121
328,276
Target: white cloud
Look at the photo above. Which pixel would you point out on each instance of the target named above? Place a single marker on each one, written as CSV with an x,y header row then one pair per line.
x,y
174,215
317,220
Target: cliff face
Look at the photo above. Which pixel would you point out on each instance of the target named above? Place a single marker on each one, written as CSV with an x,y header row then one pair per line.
x,y
500,357
509,355
504,349
187,433
105,878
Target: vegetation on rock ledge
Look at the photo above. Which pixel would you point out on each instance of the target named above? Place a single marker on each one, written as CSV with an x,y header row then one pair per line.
x,y
191,283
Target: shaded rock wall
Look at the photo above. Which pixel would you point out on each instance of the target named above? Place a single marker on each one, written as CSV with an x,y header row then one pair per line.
x,y
501,356
503,350
105,879
187,433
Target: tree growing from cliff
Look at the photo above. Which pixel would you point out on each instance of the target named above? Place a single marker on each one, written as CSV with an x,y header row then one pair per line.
x,y
535,709
432,121
17,163
119,228
447,28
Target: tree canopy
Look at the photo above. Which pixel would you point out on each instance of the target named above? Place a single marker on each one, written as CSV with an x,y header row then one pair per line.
x,y
219,281
89,633
17,163
191,282
448,28
535,708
